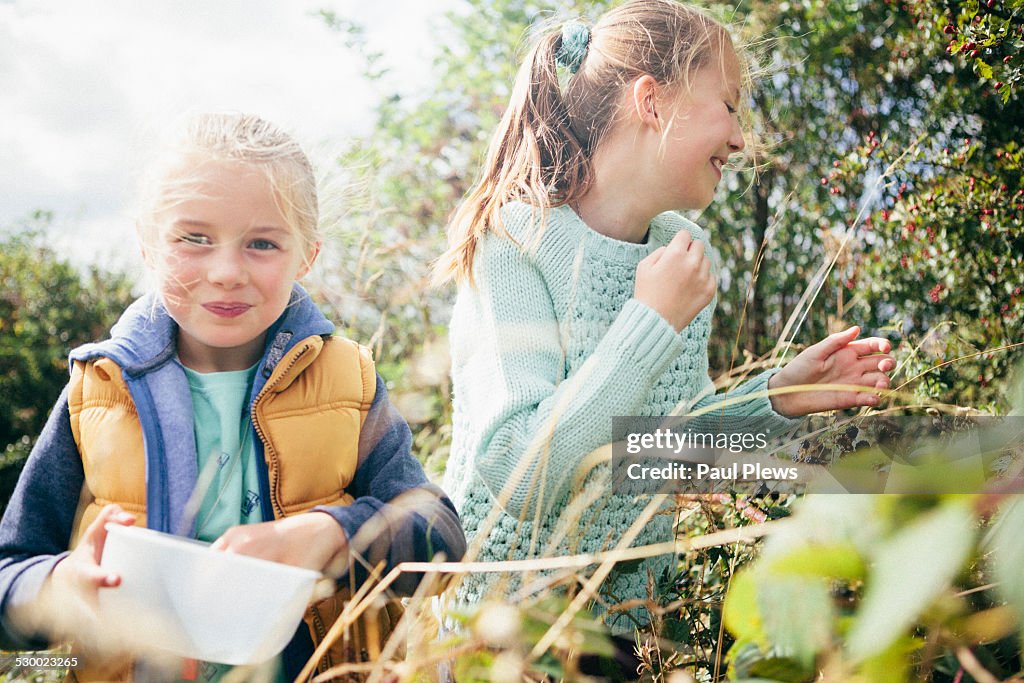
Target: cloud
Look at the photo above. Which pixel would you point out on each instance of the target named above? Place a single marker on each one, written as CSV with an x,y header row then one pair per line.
x,y
88,85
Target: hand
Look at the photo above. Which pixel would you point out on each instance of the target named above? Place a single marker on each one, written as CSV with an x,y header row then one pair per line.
x,y
68,601
312,540
80,572
676,280
840,358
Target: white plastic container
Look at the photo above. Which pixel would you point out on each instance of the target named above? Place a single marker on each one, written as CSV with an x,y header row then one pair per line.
x,y
180,597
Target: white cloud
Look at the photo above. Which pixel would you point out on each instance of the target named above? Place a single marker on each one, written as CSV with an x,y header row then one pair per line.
x,y
85,85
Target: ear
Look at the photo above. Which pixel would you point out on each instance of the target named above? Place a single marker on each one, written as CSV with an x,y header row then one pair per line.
x,y
307,264
645,100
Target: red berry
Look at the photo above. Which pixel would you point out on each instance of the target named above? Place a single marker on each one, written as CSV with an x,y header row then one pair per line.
x,y
998,85
990,4
1007,58
824,181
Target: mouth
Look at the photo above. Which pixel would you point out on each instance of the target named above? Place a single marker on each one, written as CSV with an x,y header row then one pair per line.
x,y
717,163
227,309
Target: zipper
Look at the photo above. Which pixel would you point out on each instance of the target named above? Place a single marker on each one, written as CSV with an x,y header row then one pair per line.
x,y
269,454
321,633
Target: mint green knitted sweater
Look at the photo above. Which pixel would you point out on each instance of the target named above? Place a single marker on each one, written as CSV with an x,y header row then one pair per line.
x,y
547,347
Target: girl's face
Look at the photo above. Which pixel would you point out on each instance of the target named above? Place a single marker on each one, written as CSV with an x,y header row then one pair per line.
x,y
704,131
226,260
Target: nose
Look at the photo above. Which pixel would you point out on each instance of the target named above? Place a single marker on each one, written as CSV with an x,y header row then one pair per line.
x,y
736,141
226,267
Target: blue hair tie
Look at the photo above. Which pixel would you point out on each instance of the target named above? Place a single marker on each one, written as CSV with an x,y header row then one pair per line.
x,y
575,41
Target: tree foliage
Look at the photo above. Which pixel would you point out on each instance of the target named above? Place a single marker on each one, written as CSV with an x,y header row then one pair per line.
x,y
48,305
889,195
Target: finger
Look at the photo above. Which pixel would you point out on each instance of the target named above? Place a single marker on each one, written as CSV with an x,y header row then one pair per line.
x,y
682,241
834,342
882,364
867,399
653,258
96,576
878,380
95,536
870,345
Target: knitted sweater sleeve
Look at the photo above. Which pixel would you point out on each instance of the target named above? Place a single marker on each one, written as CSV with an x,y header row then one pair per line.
x,y
529,426
749,403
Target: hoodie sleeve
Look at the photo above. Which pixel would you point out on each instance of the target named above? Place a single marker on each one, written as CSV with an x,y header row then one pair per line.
x,y
36,527
398,515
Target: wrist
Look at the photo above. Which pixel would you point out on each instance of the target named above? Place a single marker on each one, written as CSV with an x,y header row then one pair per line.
x,y
778,401
332,533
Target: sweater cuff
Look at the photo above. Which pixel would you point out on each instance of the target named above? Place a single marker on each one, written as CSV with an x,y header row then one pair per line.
x,y
761,406
22,596
647,339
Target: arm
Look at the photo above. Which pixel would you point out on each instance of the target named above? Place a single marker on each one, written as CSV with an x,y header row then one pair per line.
x,y
761,406
534,425
398,515
36,526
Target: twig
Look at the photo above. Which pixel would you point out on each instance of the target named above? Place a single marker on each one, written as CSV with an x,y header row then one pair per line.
x,y
972,666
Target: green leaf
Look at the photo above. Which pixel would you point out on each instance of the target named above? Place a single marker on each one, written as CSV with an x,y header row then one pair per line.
x,y
782,669
740,611
984,70
834,561
912,567
1008,555
797,615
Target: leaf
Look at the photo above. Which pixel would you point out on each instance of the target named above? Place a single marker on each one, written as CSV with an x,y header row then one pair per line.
x,y
984,70
740,611
833,561
797,615
1008,555
912,567
893,663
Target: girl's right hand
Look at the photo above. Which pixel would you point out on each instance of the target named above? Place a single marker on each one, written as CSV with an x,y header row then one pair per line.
x,y
676,280
80,573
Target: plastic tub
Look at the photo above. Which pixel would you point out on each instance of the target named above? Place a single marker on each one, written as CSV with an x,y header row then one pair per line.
x,y
180,597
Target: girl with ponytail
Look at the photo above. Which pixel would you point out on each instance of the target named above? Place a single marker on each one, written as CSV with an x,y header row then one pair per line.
x,y
583,295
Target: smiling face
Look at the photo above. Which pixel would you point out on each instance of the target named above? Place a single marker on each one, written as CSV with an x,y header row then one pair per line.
x,y
226,259
704,130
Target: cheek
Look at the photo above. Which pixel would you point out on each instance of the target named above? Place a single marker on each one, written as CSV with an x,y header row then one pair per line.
x,y
175,274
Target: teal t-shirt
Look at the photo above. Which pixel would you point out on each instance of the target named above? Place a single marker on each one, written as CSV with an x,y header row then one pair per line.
x,y
228,480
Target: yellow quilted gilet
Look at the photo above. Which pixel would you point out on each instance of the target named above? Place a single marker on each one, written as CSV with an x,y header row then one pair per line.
x,y
308,416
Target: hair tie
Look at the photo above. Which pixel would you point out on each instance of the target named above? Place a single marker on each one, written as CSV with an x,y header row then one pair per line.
x,y
575,41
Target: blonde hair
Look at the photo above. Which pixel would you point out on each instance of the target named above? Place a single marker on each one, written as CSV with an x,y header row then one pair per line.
x,y
241,138
542,149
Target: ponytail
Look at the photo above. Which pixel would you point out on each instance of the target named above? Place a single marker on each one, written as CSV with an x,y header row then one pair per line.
x,y
542,150
534,156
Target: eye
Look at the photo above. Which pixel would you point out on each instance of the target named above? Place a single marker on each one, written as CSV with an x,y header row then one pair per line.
x,y
263,245
731,109
194,238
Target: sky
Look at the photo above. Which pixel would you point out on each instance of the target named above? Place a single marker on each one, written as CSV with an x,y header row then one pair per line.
x,y
86,86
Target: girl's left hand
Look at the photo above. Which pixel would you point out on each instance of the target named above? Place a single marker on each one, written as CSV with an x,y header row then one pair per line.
x,y
311,540
840,358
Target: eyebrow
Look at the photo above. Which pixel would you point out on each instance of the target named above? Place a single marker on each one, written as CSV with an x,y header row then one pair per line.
x,y
192,223
189,223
